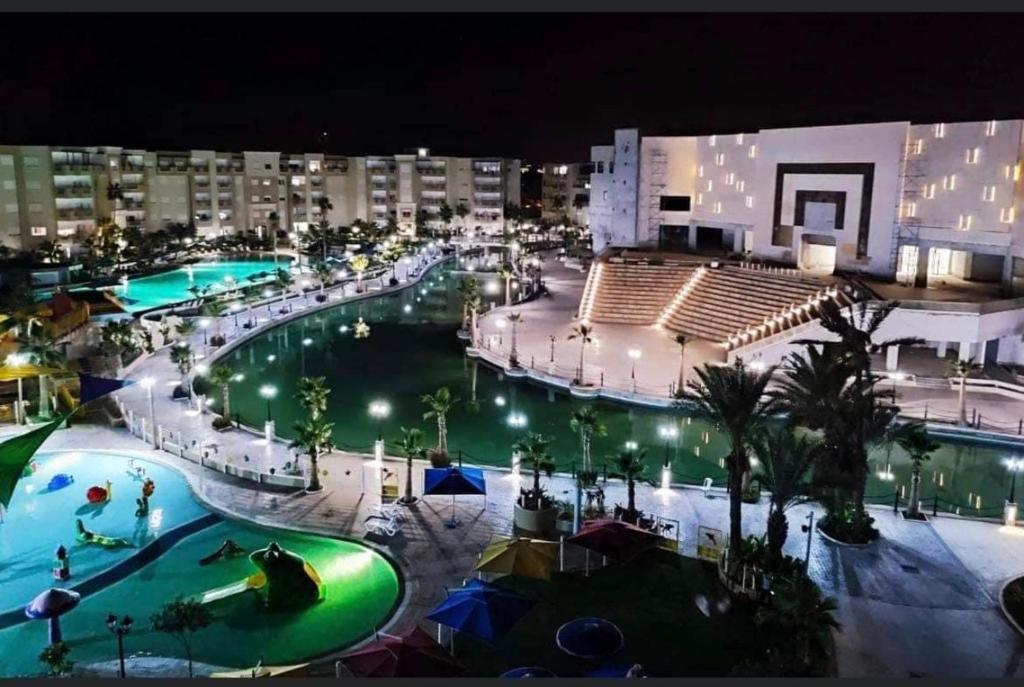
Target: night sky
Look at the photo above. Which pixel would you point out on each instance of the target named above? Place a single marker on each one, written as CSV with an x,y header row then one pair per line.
x,y
539,87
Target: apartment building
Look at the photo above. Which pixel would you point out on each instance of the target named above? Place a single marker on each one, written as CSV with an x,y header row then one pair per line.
x,y
922,203
61,194
565,192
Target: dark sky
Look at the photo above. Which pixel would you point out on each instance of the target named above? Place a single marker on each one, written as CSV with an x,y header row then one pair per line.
x,y
540,87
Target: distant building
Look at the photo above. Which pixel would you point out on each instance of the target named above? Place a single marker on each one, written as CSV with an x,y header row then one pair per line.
x,y
566,192
61,194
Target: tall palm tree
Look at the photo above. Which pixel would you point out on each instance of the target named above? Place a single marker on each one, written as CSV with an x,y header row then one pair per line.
x,y
358,264
43,351
325,205
461,211
181,356
439,404
185,329
222,375
513,357
283,278
446,213
411,444
629,465
805,617
963,369
682,340
586,424
733,398
474,304
786,459
324,273
507,272
584,333
312,395
913,438
215,310
314,436
469,289
533,450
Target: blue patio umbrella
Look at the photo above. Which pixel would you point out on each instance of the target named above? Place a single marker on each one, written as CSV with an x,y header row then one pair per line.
x,y
528,671
452,481
481,609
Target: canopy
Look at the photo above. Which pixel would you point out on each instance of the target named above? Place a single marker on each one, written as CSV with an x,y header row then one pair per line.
x,y
519,556
10,373
454,480
16,453
94,387
52,603
482,610
615,539
589,638
413,653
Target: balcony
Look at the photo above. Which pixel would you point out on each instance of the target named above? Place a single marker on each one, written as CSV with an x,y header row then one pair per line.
x,y
74,213
202,204
130,204
200,168
202,183
75,191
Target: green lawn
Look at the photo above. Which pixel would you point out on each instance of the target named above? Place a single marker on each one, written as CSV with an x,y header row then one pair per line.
x,y
651,599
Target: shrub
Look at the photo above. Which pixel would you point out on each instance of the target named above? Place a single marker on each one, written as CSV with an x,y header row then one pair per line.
x,y
221,422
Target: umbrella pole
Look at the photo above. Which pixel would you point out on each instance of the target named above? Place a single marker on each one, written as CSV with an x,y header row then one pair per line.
x,y
561,553
587,564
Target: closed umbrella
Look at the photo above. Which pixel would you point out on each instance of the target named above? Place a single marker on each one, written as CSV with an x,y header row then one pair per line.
x,y
519,556
413,653
615,539
482,610
453,481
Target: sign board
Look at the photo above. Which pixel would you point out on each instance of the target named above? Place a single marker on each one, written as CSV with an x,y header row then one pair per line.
x,y
709,543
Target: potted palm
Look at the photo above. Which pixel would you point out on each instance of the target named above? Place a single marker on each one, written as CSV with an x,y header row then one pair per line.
x,y
324,274
221,376
629,466
411,444
439,404
215,310
534,511
563,523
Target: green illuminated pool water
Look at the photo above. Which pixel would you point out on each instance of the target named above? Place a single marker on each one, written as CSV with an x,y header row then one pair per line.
x,y
172,287
412,349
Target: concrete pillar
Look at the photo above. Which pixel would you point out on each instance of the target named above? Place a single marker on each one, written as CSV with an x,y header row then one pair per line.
x,y
979,356
691,238
268,431
892,358
940,350
965,350
921,275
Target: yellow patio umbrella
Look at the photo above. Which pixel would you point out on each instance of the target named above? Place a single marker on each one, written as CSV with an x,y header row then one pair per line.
x,y
10,373
519,556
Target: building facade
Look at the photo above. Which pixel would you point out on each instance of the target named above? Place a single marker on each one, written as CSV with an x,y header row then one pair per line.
x,y
913,202
62,194
565,192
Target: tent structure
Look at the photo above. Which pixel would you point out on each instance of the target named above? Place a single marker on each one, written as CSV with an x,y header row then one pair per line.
x,y
94,387
11,373
453,481
615,539
481,609
519,556
413,653
16,453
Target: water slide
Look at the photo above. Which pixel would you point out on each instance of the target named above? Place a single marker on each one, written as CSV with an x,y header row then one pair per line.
x,y
254,581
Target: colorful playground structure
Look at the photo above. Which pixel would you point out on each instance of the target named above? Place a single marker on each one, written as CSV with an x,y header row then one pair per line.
x,y
289,580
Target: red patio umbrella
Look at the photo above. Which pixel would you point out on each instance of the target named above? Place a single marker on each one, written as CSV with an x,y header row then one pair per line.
x,y
615,539
413,653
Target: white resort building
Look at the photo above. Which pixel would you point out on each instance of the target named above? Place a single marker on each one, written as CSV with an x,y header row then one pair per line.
x,y
734,238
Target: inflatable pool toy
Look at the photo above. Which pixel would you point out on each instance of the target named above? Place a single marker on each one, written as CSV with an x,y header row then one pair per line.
x,y
29,469
229,549
291,581
99,494
61,564
59,481
252,582
87,537
148,487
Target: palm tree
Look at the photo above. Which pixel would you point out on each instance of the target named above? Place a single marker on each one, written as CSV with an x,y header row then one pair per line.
x,y
913,438
963,369
216,310
222,375
469,289
359,263
114,194
438,406
283,278
513,357
411,444
586,424
474,304
461,211
507,272
786,461
313,436
185,329
273,218
682,340
325,205
323,273
446,213
42,350
533,450
181,356
312,395
584,334
802,615
732,398
629,465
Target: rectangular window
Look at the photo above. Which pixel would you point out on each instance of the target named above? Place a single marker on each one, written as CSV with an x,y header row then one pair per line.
x,y
972,155
712,140
711,185
611,167
929,191
990,128
31,161
720,159
266,166
1006,215
674,203
730,179
741,186
1012,172
988,193
600,167
39,231
910,209
739,139
6,160
718,207
917,147
9,185
940,130
255,199
11,207
752,152
254,182
32,185
700,199
964,222
700,171
949,183
749,200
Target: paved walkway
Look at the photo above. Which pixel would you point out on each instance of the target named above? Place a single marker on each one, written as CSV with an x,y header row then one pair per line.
x,y
922,601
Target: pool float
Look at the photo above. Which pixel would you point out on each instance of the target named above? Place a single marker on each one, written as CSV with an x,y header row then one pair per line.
x,y
99,494
87,537
29,469
59,481
291,581
229,548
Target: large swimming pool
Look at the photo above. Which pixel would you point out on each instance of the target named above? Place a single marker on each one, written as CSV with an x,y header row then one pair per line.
x,y
412,349
361,587
173,286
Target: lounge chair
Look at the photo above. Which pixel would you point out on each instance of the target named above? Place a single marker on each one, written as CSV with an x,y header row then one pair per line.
x,y
390,511
382,526
707,487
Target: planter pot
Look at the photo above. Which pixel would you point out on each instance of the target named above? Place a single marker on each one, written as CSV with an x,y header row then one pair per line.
x,y
535,521
836,542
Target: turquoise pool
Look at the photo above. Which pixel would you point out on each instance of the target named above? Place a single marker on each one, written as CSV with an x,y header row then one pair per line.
x,y
171,287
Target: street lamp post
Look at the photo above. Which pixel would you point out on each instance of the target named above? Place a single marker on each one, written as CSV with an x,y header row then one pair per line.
x,y
378,411
668,433
119,627
552,338
147,384
268,392
305,344
634,355
1014,465
235,307
203,324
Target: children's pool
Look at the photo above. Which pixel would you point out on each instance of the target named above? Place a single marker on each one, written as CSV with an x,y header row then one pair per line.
x,y
361,588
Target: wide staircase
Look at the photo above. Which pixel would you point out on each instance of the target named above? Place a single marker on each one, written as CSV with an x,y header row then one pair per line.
x,y
620,292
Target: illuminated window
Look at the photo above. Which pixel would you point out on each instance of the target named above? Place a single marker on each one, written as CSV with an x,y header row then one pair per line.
x,y
972,155
720,159
917,146
700,171
990,128
929,191
964,222
314,165
39,231
749,201
700,199
1012,172
940,131
718,207
711,185
740,186
730,179
988,193
949,182
752,152
910,209
1006,215
712,140
739,139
